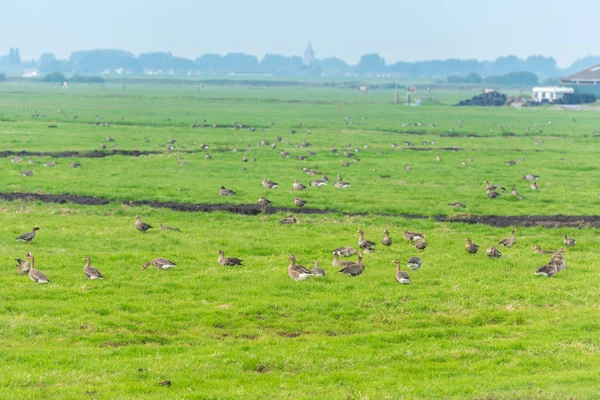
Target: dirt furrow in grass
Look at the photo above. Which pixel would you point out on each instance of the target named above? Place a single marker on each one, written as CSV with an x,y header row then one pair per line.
x,y
549,221
89,154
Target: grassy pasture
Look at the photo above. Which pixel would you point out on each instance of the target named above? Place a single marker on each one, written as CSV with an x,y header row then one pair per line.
x,y
466,327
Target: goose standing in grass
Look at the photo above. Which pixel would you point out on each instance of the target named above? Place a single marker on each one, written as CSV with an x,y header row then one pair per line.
x,y
289,220
89,271
569,242
296,271
412,236
407,167
269,184
23,267
226,192
551,268
299,202
421,244
263,202
317,271
401,276
438,158
386,241
346,251
336,262
34,274
538,250
534,186
364,243
559,259
414,263
160,263
228,261
168,228
471,247
141,225
28,236
509,241
297,185
354,268
493,252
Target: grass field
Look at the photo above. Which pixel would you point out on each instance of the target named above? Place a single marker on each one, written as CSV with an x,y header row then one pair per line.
x,y
466,327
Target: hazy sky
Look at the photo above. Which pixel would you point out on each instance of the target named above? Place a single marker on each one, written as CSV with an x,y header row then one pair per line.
x,y
398,30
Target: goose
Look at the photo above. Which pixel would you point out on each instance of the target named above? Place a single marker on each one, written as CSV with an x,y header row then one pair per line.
x,y
28,236
414,263
493,252
438,158
317,271
490,187
509,241
263,202
225,192
325,177
17,160
296,271
32,161
168,228
559,260
510,162
297,185
530,177
141,225
245,158
386,241
401,276
160,263
109,139
23,266
551,268
492,194
346,251
515,193
207,156
534,186
299,202
318,183
364,243
569,242
74,165
27,173
412,236
336,262
339,178
355,268
228,261
421,244
34,274
269,184
458,204
341,185
407,167
89,271
289,220
538,250
471,247
102,145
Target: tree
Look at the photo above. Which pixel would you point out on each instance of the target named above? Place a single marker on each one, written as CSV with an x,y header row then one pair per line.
x,y
2,78
54,77
48,62
14,56
370,63
522,78
473,78
541,65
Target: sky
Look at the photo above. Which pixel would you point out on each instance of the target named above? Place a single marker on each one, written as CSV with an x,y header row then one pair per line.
x,y
398,30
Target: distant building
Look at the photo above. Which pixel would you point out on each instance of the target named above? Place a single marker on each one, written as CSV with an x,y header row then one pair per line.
x,y
550,94
584,82
31,73
309,55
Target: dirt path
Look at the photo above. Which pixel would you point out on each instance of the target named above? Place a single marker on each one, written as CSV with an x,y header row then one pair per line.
x,y
89,154
549,221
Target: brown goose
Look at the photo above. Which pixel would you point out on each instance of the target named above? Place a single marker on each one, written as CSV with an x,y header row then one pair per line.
x,y
458,204
341,185
226,192
269,184
346,251
438,158
289,220
471,247
318,271
297,185
337,262
412,236
207,156
509,241
318,183
421,243
491,194
559,260
141,225
160,263
296,271
386,241
364,243
401,276
569,242
355,268
34,274
168,228
28,236
534,186
551,268
228,261
493,252
50,164
407,167
516,194
74,165
91,272
27,173
263,202
299,202
538,250
490,187
23,267
414,263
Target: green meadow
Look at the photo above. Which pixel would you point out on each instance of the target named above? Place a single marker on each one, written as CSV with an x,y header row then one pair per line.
x,y
467,327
